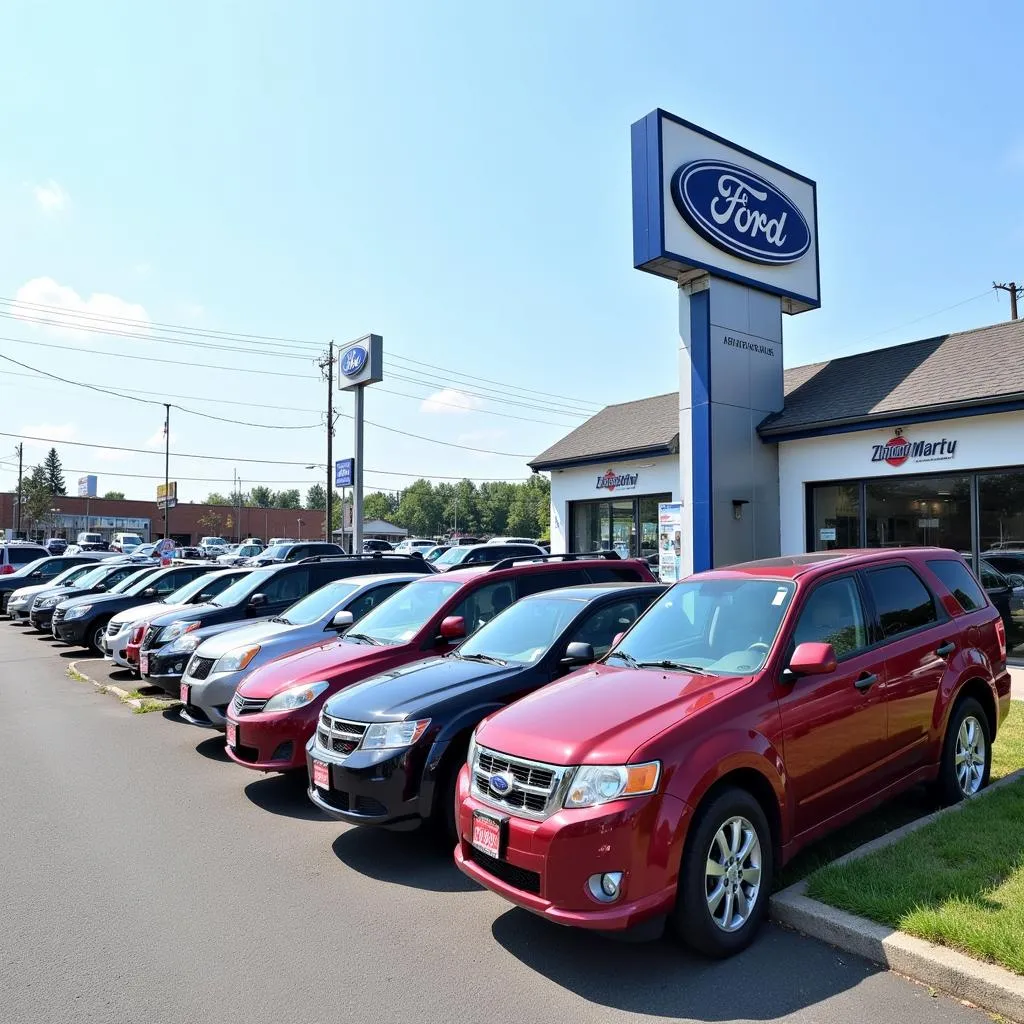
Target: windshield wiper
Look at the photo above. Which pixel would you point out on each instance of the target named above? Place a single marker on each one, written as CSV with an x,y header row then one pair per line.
x,y
627,658
487,658
364,638
680,666
281,619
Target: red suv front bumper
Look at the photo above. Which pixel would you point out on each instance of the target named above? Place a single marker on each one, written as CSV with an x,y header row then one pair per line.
x,y
546,864
272,741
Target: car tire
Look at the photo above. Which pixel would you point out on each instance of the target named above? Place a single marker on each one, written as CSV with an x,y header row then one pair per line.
x,y
444,819
718,911
96,631
966,753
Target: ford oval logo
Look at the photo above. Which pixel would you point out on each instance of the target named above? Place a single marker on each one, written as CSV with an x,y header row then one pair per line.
x,y
740,212
353,360
500,784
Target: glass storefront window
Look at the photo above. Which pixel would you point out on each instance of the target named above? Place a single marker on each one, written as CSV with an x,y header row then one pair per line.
x,y
649,524
1001,508
627,526
835,517
932,510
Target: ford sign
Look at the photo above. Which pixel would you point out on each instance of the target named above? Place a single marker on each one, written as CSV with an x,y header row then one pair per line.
x,y
353,360
740,213
500,784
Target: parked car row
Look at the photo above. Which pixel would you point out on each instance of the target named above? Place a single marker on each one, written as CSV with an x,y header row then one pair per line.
x,y
601,749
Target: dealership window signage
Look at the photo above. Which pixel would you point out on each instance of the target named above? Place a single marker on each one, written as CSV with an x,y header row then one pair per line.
x,y
899,450
705,205
612,481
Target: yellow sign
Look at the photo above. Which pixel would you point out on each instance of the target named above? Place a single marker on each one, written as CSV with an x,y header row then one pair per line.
x,y
167,494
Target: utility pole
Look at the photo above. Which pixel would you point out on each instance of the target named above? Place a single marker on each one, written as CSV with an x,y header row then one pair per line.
x,y
167,470
17,522
326,365
1015,291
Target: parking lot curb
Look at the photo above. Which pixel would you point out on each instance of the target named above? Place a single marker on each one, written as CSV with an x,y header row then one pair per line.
x,y
122,695
984,984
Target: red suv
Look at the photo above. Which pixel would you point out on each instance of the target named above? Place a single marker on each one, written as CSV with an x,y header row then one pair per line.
x,y
746,713
275,710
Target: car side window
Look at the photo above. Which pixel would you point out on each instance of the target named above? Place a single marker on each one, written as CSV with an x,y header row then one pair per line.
x,y
297,552
833,614
613,574
483,604
287,586
902,601
602,625
992,579
959,581
362,604
169,583
535,582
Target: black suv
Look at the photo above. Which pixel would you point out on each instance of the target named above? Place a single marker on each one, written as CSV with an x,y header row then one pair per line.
x,y
42,570
532,642
106,576
82,621
261,593
463,555
295,552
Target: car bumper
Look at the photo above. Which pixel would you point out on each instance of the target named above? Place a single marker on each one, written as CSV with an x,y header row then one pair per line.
x,y
380,788
41,619
165,670
18,610
114,647
212,695
545,865
73,632
273,741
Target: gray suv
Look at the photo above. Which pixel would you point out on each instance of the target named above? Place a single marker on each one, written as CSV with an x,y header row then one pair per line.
x,y
222,661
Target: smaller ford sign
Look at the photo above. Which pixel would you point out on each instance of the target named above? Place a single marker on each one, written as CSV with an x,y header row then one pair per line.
x,y
740,212
353,360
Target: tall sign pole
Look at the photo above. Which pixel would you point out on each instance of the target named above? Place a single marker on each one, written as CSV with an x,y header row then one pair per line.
x,y
167,469
360,363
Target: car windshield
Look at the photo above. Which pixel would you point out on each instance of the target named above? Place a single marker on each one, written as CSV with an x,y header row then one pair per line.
x,y
134,583
453,556
92,538
404,614
241,589
91,578
716,626
524,631
31,567
130,542
277,551
73,573
211,584
318,604
144,549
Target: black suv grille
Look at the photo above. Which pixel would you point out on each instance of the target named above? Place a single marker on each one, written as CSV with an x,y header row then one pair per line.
x,y
357,804
339,735
199,668
518,878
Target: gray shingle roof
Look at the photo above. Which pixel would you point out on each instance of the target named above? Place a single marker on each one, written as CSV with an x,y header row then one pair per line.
x,y
983,366
649,426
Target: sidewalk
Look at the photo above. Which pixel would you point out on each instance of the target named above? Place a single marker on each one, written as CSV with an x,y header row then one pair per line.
x,y
1017,686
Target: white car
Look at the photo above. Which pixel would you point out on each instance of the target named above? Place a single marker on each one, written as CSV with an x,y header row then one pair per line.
x,y
19,604
213,547
512,540
198,591
238,553
412,544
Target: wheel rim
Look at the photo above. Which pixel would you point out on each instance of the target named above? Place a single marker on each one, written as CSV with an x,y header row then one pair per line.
x,y
970,756
732,876
97,639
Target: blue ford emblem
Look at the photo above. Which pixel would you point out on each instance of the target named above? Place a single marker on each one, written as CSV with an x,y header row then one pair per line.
x,y
500,784
353,360
740,212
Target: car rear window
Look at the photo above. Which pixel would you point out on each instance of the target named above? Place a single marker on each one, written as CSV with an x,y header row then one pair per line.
x,y
902,601
22,556
614,574
960,582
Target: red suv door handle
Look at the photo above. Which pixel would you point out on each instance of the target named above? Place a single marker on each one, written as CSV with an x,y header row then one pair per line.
x,y
946,649
866,681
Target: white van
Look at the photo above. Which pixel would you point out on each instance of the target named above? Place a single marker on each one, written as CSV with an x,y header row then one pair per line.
x,y
91,542
125,542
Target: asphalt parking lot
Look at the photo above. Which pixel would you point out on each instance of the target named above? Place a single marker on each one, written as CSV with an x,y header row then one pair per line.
x,y
144,876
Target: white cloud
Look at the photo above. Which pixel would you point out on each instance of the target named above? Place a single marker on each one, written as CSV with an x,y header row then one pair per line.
x,y
72,312
57,431
110,455
449,400
52,199
157,439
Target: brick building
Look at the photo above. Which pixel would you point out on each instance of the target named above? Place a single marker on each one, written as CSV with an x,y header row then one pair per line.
x,y
188,522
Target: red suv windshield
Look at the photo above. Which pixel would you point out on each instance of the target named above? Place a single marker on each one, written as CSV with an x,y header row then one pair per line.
x,y
403,615
716,626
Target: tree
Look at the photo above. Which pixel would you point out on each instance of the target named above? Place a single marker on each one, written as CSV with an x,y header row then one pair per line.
x,y
421,509
289,499
262,497
54,473
380,505
210,522
36,496
215,498
316,497
114,496
238,499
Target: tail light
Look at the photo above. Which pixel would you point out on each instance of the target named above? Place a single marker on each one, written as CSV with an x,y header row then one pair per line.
x,y
6,570
136,637
1001,638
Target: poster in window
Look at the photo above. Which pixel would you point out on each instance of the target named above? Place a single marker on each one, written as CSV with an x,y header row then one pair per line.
x,y
670,533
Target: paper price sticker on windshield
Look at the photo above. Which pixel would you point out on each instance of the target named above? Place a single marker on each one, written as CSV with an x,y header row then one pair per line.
x,y
780,596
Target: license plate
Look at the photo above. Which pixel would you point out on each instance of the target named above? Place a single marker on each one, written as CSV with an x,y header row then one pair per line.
x,y
184,693
321,775
487,834
232,734
144,664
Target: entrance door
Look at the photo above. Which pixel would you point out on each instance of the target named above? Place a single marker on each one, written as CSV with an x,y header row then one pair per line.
x,y
930,510
624,541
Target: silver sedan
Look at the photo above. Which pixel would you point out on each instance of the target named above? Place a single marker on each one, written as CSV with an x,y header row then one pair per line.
x,y
221,662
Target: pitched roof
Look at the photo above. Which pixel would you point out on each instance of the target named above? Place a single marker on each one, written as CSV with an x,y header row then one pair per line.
x,y
979,367
647,427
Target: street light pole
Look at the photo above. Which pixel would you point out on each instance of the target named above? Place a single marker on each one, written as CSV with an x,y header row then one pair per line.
x,y
167,470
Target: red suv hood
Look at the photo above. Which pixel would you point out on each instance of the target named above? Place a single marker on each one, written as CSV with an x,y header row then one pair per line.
x,y
328,660
600,715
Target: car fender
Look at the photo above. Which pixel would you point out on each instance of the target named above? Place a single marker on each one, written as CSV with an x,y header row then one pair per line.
x,y
967,665
715,756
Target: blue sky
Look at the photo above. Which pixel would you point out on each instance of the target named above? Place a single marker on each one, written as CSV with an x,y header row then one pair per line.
x,y
456,178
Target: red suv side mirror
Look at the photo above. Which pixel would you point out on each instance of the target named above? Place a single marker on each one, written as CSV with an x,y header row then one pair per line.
x,y
813,659
453,628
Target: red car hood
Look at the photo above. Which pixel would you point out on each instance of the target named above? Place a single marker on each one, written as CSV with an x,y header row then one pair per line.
x,y
330,660
600,715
